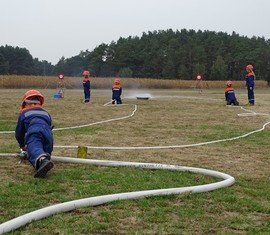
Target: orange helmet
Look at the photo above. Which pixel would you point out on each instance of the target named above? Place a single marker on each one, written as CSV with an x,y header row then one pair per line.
x,y
117,81
249,67
86,73
28,97
229,83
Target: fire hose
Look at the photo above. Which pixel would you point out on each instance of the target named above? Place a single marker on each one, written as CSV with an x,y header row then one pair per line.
x,y
99,200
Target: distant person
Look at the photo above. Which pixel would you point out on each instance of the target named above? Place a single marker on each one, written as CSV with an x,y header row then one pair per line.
x,y
61,77
34,134
199,84
86,86
116,92
230,94
250,82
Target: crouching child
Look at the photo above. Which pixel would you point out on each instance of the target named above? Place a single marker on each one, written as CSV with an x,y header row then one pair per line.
x,y
230,94
34,132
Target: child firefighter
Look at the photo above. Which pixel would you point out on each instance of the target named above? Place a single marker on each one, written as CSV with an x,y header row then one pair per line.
x,y
34,132
250,82
230,94
86,86
116,92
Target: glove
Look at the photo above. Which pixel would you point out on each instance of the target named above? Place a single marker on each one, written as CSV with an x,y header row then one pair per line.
x,y
23,154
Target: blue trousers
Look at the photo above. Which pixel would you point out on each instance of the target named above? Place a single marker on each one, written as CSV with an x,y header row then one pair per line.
x,y
118,101
39,141
116,98
234,102
251,98
86,95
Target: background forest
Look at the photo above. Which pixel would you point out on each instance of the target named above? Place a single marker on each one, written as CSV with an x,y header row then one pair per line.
x,y
159,54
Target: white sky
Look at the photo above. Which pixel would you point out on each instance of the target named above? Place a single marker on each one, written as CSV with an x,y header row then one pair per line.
x,y
50,29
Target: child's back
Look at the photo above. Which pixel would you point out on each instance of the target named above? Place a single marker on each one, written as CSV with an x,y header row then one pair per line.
x,y
33,132
230,94
116,92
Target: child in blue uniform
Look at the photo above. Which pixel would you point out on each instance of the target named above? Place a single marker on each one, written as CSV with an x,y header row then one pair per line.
x,y
86,86
230,94
250,82
116,92
34,134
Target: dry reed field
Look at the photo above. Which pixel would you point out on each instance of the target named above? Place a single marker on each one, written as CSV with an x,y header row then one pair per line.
x,y
169,117
43,82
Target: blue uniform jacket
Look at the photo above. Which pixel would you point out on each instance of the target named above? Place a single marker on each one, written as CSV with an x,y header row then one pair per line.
x,y
250,79
229,94
116,91
29,119
86,84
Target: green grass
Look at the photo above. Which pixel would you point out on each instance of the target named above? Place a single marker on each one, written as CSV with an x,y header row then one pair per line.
x,y
80,131
243,208
9,147
219,131
85,181
236,205
7,125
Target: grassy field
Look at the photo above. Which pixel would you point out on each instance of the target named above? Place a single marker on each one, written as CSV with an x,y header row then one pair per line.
x,y
170,117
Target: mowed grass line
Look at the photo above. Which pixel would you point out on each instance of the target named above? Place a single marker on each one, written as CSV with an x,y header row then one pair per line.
x,y
242,208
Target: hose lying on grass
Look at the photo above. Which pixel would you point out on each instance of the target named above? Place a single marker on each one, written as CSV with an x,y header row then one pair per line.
x,y
99,200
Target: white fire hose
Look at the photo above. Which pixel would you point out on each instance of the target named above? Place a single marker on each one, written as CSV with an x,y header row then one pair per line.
x,y
247,113
99,200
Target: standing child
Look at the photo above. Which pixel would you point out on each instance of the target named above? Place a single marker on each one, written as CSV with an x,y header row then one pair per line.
x,y
250,82
86,86
34,134
230,94
116,92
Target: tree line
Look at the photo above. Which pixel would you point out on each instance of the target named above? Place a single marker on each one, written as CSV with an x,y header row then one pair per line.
x,y
165,54
15,60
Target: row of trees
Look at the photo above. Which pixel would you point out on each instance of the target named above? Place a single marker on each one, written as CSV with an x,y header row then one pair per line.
x,y
15,60
158,54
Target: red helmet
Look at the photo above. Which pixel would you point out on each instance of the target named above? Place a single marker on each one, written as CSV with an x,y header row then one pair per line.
x,y
229,83
117,81
30,94
86,73
249,67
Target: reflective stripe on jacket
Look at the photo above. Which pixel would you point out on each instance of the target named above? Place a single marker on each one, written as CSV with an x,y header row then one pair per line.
x,y
230,94
28,118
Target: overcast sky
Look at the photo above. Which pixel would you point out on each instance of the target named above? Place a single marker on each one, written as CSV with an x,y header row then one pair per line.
x,y
50,29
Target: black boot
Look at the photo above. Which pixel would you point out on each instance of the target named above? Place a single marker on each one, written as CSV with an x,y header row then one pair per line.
x,y
44,166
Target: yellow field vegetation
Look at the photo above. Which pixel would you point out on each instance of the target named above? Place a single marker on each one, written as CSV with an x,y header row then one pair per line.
x,y
14,81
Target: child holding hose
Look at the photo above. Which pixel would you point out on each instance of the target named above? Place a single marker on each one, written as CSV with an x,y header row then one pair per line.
x,y
34,132
116,92
230,94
